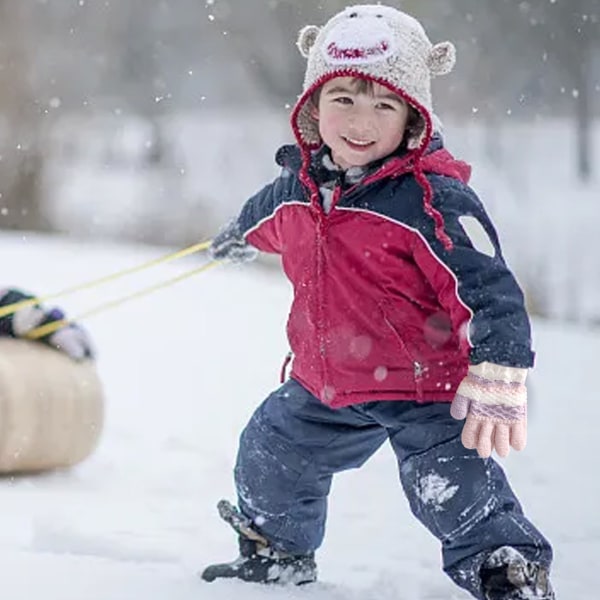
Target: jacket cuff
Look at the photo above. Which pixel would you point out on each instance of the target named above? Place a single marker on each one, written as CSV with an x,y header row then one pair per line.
x,y
503,353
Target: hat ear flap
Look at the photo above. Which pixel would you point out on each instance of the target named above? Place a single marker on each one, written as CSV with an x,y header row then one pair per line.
x,y
306,39
442,58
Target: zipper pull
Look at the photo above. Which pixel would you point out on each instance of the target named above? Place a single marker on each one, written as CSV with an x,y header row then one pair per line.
x,y
418,367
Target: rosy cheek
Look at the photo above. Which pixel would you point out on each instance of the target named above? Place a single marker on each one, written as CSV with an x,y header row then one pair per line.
x,y
332,121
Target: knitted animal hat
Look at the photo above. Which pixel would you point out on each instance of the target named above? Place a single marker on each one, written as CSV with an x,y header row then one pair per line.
x,y
386,46
373,42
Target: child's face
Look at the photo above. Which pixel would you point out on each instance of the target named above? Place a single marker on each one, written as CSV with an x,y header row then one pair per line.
x,y
359,127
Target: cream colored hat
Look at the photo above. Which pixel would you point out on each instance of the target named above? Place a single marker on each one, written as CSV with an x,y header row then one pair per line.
x,y
375,42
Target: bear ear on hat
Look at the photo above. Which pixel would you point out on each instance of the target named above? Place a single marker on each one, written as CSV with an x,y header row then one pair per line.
x,y
306,39
442,58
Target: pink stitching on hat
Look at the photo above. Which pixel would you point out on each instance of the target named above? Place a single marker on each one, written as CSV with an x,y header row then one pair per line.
x,y
338,53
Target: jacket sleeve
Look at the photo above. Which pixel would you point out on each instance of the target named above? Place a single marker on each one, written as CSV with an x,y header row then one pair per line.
x,y
258,220
473,282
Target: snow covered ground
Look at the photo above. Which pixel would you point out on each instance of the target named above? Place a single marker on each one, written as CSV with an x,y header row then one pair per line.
x,y
183,369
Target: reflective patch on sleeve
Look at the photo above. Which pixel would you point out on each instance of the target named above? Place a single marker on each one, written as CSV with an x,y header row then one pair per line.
x,y
478,235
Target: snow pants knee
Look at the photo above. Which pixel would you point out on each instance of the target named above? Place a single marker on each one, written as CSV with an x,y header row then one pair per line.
x,y
294,444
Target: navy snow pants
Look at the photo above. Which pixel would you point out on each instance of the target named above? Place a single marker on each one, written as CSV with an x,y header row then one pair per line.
x,y
294,444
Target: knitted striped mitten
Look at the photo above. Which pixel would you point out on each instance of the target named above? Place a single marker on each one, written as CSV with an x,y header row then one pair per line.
x,y
493,399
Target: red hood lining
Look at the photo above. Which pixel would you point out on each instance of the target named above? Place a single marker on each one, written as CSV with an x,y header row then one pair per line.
x,y
416,161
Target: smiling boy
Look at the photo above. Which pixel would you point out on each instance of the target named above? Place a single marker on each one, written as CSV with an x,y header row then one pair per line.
x,y
400,327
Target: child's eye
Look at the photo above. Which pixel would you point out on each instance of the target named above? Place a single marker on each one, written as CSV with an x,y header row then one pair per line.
x,y
386,106
343,100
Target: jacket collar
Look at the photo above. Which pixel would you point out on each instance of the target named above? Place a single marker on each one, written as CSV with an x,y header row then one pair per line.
x,y
436,160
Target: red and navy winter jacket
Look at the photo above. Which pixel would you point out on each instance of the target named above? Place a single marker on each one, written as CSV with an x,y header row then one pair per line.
x,y
382,310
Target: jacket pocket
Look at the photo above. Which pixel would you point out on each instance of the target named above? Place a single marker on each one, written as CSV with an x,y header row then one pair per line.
x,y
417,365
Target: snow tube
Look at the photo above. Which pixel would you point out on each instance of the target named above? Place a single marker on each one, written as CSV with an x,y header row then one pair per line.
x,y
51,408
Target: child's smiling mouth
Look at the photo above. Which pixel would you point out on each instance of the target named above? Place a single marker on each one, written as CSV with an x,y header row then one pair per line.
x,y
360,144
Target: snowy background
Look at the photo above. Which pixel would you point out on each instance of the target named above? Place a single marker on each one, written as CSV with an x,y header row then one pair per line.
x,y
129,129
183,369
151,121
546,216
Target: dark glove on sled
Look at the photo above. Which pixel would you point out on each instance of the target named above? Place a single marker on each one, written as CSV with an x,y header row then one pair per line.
x,y
70,339
229,244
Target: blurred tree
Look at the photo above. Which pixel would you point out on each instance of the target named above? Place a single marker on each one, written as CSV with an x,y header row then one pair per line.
x,y
20,154
565,32
264,35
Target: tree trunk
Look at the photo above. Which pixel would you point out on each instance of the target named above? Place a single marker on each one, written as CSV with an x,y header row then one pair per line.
x,y
21,160
582,74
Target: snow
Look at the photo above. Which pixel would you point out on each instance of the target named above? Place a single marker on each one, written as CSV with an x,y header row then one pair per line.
x,y
434,490
183,369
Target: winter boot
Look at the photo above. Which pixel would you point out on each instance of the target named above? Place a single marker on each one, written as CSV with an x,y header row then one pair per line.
x,y
258,562
508,575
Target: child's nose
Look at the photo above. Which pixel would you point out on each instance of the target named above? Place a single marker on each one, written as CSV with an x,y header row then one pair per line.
x,y
361,119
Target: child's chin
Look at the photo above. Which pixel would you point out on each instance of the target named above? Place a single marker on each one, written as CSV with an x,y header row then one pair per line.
x,y
358,157
361,162
354,159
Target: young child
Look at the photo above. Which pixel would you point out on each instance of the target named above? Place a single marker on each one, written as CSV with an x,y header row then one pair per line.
x,y
71,339
405,318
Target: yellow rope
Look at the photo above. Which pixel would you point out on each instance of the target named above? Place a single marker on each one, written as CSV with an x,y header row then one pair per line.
x,y
49,328
9,309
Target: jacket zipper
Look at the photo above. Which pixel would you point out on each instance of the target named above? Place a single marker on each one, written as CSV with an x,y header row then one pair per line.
x,y
320,259
418,368
322,225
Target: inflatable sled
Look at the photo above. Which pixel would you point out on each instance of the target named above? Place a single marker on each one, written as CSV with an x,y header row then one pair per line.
x,y
51,408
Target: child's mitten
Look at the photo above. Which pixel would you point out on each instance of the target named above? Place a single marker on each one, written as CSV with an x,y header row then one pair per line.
x,y
493,399
70,339
229,244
